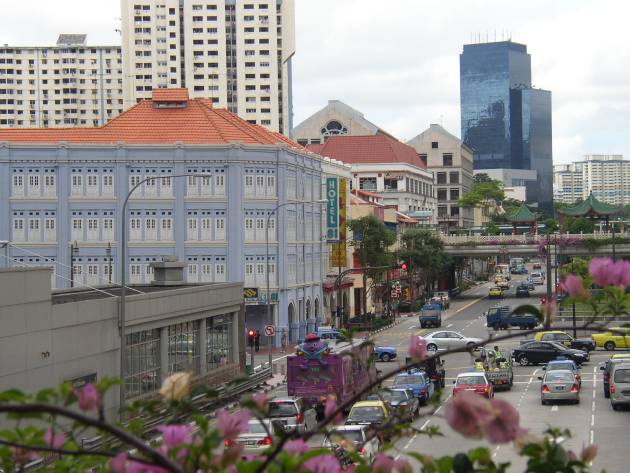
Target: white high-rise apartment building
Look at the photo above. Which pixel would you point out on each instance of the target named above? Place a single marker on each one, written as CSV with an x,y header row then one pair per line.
x,y
236,53
607,177
68,84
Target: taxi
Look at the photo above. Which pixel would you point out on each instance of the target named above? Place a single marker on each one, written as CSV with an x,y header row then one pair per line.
x,y
368,413
495,292
615,337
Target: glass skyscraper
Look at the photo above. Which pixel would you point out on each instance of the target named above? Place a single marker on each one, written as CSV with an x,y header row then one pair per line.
x,y
504,120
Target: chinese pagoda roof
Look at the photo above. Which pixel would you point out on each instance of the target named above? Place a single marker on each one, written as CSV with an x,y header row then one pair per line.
x,y
591,207
523,215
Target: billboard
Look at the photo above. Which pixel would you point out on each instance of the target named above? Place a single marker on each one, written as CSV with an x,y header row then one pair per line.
x,y
332,209
338,254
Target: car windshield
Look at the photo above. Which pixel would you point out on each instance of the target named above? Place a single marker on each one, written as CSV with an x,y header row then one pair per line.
x,y
559,346
471,380
282,409
404,380
559,376
622,376
366,414
560,366
256,428
339,436
396,396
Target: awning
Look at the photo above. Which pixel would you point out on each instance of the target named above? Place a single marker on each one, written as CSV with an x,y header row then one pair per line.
x,y
329,283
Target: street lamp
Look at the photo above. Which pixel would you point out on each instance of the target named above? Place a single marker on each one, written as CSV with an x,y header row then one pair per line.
x,y
74,252
273,212
108,252
123,267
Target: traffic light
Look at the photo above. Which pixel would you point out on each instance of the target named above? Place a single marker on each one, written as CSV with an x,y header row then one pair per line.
x,y
404,266
250,337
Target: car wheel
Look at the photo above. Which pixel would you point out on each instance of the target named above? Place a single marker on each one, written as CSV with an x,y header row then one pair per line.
x,y
614,406
543,402
385,357
432,347
523,361
470,346
577,401
610,346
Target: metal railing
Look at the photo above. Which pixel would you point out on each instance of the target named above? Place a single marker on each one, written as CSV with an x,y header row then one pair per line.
x,y
525,239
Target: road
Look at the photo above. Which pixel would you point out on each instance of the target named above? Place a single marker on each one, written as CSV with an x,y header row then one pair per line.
x,y
593,420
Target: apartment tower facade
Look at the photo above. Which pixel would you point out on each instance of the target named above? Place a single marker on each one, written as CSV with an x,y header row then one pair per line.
x,y
236,53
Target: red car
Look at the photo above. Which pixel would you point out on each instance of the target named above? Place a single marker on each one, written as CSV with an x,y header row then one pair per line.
x,y
475,382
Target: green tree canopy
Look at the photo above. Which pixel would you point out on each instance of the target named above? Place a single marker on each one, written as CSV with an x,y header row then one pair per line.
x,y
578,225
483,192
551,225
423,250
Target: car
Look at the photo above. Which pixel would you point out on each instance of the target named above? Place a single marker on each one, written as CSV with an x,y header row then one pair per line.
x,y
530,284
402,401
293,413
446,340
504,284
356,438
543,352
564,338
620,385
522,290
418,382
613,338
374,413
559,385
326,332
385,353
474,381
495,292
607,369
257,438
564,364
537,266
537,278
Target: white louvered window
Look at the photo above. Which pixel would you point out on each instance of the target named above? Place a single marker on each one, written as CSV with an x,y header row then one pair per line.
x,y
219,227
219,185
219,272
206,272
92,229
77,229
108,185
249,186
150,229
17,189
34,232
76,182
91,185
50,188
135,229
166,229
192,233
50,229
18,229
108,229
249,229
34,185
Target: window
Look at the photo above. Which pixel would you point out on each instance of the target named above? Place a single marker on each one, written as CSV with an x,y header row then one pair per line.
x,y
249,274
219,184
33,185
454,177
192,274
92,229
441,194
92,184
108,229
367,183
18,229
142,373
447,159
33,229
260,185
77,229
442,211
219,270
441,178
150,229
166,228
249,185
249,229
423,158
183,347
166,188
454,194
206,229
49,185
18,185
219,226
434,144
219,341
271,186
135,228
108,184
454,211
50,231
192,229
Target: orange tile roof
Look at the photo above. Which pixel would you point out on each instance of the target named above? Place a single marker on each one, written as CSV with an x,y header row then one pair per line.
x,y
195,123
374,149
169,95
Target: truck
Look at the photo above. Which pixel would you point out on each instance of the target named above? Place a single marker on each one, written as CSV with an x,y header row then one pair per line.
x,y
516,264
497,367
501,317
503,270
340,370
430,315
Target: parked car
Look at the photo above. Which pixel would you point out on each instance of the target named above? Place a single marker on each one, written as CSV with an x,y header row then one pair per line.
x,y
402,401
385,353
416,381
564,338
294,413
564,364
543,352
620,385
356,438
559,385
537,278
614,337
495,292
446,340
476,382
607,369
522,290
258,437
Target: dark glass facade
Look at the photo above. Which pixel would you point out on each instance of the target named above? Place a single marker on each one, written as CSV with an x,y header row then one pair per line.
x,y
504,120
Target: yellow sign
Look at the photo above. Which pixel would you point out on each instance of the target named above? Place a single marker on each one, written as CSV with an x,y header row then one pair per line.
x,y
250,294
338,254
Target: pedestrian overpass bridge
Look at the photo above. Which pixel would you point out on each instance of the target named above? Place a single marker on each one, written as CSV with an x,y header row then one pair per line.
x,y
583,244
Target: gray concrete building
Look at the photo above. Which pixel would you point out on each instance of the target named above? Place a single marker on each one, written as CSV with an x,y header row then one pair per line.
x,y
50,337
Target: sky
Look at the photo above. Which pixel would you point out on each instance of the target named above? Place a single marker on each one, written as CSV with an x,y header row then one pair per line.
x,y
397,61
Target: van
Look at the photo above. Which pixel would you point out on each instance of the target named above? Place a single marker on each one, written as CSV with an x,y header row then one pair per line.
x,y
620,385
537,279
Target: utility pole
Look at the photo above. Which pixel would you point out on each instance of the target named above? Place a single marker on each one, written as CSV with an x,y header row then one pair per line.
x,y
549,291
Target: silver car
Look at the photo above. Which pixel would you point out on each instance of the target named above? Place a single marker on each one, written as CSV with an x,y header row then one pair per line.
x,y
620,385
293,413
258,438
445,340
559,385
354,438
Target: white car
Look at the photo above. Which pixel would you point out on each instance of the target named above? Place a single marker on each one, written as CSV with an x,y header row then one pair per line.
x,y
446,340
537,278
354,438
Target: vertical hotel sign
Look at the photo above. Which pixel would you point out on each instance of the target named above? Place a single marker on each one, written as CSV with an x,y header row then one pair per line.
x,y
338,254
332,209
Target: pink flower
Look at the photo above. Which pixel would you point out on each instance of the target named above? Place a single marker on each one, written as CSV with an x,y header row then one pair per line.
x,y
118,464
588,453
297,446
600,270
22,457
573,286
231,425
54,440
624,273
504,426
329,409
260,399
468,413
89,398
417,348
382,463
403,466
121,464
323,464
176,435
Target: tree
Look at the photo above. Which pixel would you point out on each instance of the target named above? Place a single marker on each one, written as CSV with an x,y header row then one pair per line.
x,y
371,240
423,251
483,193
551,225
578,225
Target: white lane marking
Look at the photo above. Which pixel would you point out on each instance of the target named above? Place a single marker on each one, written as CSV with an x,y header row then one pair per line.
x,y
425,424
438,409
408,444
592,437
554,408
592,420
449,325
469,304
